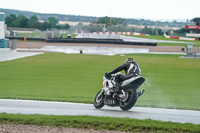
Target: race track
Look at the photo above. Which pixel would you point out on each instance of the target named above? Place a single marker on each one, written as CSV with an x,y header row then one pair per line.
x,y
65,108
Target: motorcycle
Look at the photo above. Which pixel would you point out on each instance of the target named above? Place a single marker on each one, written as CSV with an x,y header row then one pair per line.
x,y
126,99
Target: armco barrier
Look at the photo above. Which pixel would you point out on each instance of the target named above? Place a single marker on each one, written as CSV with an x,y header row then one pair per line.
x,y
27,38
141,43
84,40
100,41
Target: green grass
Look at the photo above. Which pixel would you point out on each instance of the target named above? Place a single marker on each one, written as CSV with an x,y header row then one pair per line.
x,y
162,38
176,44
65,35
171,82
99,123
35,34
196,43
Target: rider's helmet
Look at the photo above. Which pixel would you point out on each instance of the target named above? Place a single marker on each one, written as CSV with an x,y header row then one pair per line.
x,y
129,60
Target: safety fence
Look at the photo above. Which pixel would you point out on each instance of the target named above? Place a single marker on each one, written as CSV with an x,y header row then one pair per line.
x,y
182,38
121,33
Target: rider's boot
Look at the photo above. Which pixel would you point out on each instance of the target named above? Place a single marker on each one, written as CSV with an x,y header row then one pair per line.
x,y
140,93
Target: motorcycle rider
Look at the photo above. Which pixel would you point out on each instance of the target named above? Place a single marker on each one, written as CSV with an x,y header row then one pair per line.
x,y
131,68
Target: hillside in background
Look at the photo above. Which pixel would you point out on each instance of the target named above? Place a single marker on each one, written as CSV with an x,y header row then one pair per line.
x,y
74,18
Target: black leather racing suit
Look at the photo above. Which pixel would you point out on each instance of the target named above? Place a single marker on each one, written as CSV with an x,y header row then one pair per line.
x,y
131,68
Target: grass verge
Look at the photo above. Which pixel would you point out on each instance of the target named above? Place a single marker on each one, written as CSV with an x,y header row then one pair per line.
x,y
196,43
176,44
171,82
99,123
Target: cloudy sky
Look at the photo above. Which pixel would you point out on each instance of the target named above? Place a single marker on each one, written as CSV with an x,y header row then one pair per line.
x,y
146,9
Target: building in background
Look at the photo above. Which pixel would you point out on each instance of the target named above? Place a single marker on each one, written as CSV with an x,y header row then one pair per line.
x,y
2,25
194,28
4,43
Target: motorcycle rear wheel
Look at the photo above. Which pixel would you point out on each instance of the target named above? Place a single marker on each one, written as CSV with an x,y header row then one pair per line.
x,y
99,99
130,101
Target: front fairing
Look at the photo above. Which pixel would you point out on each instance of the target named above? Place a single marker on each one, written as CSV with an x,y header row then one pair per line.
x,y
107,83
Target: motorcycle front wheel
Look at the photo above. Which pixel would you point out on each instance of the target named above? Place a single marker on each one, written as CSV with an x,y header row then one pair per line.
x,y
129,102
99,99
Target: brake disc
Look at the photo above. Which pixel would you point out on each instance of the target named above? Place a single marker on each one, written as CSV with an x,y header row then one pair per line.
x,y
124,98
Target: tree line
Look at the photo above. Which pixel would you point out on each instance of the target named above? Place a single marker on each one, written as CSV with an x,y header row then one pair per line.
x,y
78,18
108,23
22,21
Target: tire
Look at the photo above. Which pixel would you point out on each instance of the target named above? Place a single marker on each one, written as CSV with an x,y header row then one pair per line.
x,y
131,100
99,99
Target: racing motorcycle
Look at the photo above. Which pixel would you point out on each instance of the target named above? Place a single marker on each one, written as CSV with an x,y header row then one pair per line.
x,y
126,99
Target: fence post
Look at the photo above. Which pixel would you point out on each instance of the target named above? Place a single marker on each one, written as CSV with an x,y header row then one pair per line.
x,y
14,44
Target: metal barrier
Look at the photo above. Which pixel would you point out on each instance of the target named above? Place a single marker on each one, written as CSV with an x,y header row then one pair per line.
x,y
97,40
192,51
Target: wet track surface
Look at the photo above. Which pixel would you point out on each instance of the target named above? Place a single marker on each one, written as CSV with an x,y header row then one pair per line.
x,y
6,55
64,108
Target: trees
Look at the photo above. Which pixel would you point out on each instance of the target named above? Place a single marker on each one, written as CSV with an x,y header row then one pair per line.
x,y
33,22
152,31
108,21
78,18
63,26
52,22
9,20
43,26
16,21
22,22
111,24
182,30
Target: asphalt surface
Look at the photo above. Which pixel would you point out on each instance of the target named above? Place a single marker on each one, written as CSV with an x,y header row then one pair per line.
x,y
94,50
65,108
6,54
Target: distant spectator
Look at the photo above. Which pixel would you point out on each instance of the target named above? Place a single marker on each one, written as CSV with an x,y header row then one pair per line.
x,y
81,51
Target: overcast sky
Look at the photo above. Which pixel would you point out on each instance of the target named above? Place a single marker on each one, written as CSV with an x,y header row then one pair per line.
x,y
146,9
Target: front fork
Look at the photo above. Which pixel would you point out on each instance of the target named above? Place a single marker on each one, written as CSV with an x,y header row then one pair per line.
x,y
99,97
